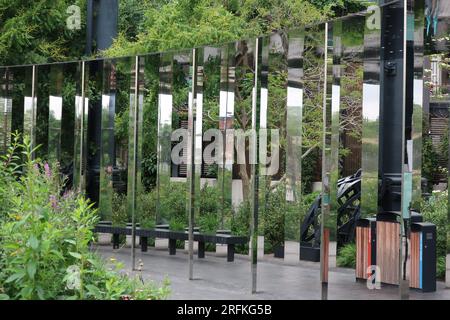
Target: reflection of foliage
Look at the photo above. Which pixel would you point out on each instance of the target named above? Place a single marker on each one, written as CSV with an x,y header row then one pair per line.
x,y
240,225
430,161
281,219
434,210
346,256
187,23
273,211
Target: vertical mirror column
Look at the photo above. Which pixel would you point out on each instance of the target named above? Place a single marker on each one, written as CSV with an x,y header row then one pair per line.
x,y
312,145
294,109
165,102
17,76
146,128
113,203
227,117
93,113
135,146
255,51
326,227
80,128
55,106
370,135
193,148
29,105
435,16
335,47
6,85
348,52
69,81
272,146
107,154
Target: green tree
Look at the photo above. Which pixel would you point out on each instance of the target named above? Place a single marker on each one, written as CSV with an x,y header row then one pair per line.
x,y
36,32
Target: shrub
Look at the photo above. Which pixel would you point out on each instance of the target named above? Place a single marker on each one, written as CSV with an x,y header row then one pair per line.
x,y
435,210
45,237
346,256
240,225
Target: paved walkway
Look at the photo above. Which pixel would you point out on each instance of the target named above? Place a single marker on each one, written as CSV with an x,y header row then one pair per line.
x,y
217,279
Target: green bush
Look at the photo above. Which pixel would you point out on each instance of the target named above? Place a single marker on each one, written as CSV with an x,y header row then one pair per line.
x,y
45,237
240,224
273,210
435,210
346,256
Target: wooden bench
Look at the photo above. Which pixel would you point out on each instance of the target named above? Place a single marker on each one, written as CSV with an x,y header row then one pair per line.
x,y
230,240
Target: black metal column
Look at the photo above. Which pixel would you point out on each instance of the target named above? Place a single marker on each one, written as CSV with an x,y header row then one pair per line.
x,y
391,113
102,26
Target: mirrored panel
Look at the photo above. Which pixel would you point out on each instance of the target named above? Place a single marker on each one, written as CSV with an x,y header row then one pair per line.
x,y
176,213
369,176
312,141
43,85
347,99
115,103
294,118
435,146
93,73
28,95
6,85
18,81
271,144
146,122
80,126
165,102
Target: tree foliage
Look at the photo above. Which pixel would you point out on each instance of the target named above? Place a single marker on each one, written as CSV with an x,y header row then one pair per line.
x,y
189,23
36,32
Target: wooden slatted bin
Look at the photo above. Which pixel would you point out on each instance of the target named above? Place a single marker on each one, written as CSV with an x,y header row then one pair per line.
x,y
365,246
388,245
423,256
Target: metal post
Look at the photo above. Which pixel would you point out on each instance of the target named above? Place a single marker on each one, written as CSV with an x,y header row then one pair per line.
x,y
191,162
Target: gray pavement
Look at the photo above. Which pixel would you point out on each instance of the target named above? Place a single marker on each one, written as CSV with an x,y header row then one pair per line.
x,y
215,278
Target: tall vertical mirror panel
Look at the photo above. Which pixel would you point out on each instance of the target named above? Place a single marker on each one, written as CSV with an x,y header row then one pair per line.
x,y
93,83
61,105
224,153
15,85
55,111
146,122
115,107
42,97
134,186
311,165
173,197
327,227
165,102
215,145
28,94
68,86
80,127
293,144
272,146
369,177
346,123
5,109
436,101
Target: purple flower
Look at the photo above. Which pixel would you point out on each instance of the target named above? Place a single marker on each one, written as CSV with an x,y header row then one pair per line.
x,y
67,194
53,201
36,167
48,172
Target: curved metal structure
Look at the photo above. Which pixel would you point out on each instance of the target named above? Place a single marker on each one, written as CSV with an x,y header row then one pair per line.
x,y
348,199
